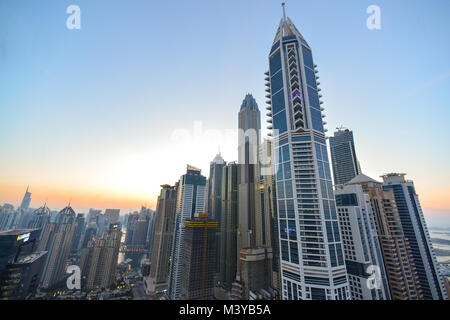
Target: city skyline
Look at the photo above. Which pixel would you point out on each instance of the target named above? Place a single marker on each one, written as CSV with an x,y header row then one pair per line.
x,y
118,141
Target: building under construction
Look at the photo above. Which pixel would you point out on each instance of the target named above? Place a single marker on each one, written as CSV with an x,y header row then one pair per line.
x,y
199,257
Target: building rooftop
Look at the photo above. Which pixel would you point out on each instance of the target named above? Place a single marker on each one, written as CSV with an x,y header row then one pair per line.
x,y
362,178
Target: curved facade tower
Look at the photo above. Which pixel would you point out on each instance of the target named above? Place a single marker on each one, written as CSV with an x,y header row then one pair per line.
x,y
312,263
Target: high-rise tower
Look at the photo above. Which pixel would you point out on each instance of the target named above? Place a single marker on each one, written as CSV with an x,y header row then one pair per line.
x,y
312,263
57,240
343,156
416,231
162,244
249,138
190,199
26,200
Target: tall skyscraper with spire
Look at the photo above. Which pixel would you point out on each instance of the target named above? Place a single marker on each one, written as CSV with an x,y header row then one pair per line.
x,y
312,262
26,200
249,139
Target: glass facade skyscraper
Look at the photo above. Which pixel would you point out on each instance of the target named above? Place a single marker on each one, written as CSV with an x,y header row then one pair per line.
x,y
416,231
312,263
343,157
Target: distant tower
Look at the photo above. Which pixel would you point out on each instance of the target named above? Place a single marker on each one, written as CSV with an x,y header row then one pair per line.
x,y
162,244
99,259
416,232
312,264
26,200
191,199
343,156
57,240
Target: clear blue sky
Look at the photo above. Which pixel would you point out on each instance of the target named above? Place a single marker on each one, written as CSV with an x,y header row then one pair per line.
x,y
75,104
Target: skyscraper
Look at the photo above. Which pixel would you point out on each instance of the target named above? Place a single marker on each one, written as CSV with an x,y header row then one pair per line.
x,y
312,263
39,219
229,226
398,261
191,199
199,257
416,231
26,200
362,251
249,138
79,230
99,259
215,198
112,215
162,244
57,240
20,264
343,156
254,256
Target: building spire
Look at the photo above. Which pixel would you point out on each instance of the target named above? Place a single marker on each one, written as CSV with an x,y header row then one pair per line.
x,y
283,5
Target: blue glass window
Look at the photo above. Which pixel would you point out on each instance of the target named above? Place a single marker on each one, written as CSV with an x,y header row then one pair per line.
x,y
286,155
324,153
333,210
283,229
323,188
307,58
332,255
287,170
329,231
280,190
318,151
279,122
321,172
290,210
326,209
330,190
279,173
294,252
275,63
288,185
282,208
292,230
316,119
310,78
313,98
337,236
326,166
339,254
277,82
278,103
284,250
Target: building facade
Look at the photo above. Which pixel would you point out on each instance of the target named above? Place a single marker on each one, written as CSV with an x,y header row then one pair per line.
x,y
400,269
191,198
199,257
362,251
312,262
164,231
57,240
343,156
416,231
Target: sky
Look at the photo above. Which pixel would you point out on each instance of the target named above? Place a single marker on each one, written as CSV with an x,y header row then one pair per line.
x,y
102,116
